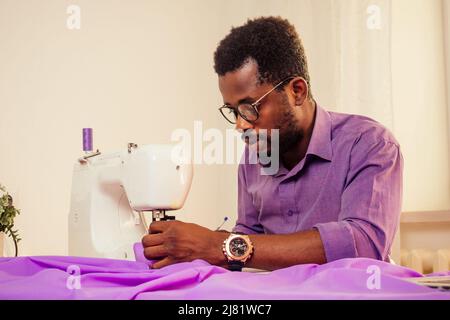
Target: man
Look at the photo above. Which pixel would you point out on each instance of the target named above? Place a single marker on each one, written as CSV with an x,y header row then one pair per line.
x,y
337,193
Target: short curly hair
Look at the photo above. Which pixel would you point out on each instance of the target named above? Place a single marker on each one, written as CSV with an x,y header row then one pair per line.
x,y
272,42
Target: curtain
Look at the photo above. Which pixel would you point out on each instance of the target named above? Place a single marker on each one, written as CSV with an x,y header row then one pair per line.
x,y
363,53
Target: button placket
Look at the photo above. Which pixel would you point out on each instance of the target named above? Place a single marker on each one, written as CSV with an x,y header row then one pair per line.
x,y
287,199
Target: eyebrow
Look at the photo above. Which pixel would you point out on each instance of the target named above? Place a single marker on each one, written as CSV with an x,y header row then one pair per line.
x,y
245,100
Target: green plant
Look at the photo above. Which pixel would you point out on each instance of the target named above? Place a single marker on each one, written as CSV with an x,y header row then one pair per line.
x,y
7,214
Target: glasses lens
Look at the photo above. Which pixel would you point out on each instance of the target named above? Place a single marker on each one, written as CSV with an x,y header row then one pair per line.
x,y
229,113
248,112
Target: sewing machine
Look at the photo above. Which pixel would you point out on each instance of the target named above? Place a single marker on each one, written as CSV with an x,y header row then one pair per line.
x,y
113,192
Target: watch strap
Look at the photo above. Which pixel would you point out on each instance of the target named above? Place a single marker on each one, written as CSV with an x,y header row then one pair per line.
x,y
235,265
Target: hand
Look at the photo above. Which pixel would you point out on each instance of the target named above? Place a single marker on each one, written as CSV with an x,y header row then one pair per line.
x,y
176,241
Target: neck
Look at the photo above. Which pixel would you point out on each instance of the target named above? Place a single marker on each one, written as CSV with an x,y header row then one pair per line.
x,y
296,154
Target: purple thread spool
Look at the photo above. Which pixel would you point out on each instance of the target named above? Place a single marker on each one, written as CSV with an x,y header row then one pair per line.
x,y
87,139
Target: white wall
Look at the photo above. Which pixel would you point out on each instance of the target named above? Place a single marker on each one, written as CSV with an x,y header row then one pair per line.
x,y
134,72
446,10
139,69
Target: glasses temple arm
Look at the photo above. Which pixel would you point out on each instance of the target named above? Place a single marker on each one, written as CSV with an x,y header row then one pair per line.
x,y
273,89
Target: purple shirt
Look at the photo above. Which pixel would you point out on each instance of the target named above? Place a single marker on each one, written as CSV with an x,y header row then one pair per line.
x,y
348,187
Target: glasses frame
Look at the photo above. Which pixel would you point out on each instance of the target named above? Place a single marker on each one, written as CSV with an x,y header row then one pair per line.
x,y
254,105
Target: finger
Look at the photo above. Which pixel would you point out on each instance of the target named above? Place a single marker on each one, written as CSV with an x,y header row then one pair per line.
x,y
152,240
158,226
163,263
155,252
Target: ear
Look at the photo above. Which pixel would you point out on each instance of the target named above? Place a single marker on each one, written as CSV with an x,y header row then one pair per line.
x,y
300,90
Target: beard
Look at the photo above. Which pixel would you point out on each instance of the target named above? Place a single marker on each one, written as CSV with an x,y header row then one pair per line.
x,y
289,134
290,131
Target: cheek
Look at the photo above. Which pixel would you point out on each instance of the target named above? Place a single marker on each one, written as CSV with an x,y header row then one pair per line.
x,y
269,117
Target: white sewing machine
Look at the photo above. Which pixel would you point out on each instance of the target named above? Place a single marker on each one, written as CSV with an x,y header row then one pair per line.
x,y
112,192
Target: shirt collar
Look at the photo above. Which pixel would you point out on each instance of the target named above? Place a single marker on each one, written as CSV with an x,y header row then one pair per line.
x,y
320,144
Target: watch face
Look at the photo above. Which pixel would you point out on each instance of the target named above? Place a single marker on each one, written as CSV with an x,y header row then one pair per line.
x,y
238,247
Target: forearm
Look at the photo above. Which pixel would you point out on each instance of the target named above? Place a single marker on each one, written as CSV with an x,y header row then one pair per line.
x,y
273,252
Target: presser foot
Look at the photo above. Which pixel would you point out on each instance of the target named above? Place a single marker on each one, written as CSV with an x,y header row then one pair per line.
x,y
160,215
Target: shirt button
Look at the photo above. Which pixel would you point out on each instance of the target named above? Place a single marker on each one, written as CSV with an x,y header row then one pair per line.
x,y
290,213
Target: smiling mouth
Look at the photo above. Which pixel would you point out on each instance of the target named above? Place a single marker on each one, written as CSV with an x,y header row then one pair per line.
x,y
249,137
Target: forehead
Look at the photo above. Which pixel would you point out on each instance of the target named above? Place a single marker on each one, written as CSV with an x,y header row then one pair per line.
x,y
239,84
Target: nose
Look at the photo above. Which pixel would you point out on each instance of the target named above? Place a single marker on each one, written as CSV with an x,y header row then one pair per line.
x,y
242,125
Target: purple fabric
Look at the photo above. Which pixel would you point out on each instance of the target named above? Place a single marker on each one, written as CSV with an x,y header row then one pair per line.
x,y
50,278
348,187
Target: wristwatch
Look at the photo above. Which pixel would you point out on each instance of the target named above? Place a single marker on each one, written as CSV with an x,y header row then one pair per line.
x,y
237,248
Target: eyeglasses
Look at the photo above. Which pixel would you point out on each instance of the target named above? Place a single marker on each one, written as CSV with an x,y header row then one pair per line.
x,y
247,111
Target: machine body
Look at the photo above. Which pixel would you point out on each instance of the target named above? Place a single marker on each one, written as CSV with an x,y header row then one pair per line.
x,y
112,193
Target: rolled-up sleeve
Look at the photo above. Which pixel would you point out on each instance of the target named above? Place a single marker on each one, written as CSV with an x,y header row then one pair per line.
x,y
370,204
247,221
